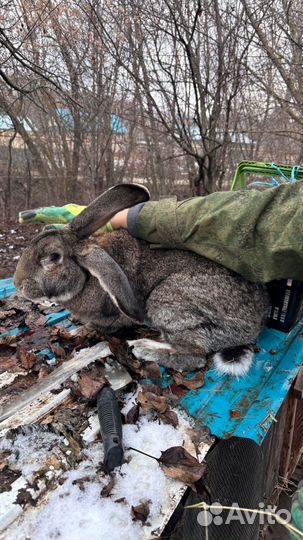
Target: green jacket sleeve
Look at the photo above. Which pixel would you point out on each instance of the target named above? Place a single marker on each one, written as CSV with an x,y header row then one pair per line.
x,y
257,234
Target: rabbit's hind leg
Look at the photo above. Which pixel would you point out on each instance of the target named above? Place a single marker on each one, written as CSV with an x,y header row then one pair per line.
x,y
199,319
186,331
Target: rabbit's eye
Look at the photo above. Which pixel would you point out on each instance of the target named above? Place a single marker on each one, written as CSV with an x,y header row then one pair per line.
x,y
49,262
55,257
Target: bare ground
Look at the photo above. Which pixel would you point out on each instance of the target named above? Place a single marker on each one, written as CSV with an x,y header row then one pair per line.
x,y
13,239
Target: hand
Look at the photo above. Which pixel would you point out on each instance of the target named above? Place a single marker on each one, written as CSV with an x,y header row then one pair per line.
x,y
119,220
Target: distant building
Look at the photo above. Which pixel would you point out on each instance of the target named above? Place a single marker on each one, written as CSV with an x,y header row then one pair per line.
x,y
235,137
7,130
117,125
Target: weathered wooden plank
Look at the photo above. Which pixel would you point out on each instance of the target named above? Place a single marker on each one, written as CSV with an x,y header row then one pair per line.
x,y
14,413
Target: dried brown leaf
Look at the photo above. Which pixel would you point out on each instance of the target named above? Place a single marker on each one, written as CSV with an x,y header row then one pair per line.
x,y
177,463
154,388
151,370
9,340
24,497
4,314
35,340
47,420
4,460
141,512
89,388
35,319
8,363
27,358
177,455
41,321
124,357
54,462
177,391
151,402
133,414
81,481
106,490
7,477
11,316
57,350
122,500
43,371
169,417
192,384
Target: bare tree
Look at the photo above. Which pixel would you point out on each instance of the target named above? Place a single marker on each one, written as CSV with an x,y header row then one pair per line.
x,y
187,60
278,30
172,93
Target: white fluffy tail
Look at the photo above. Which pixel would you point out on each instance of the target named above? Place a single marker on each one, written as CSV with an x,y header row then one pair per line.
x,y
234,361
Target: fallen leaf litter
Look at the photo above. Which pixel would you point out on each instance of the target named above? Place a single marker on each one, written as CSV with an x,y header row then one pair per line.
x,y
150,405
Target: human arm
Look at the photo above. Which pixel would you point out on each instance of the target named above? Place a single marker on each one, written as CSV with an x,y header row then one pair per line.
x,y
257,234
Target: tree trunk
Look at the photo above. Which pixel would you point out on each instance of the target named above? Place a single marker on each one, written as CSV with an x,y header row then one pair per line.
x,y
200,180
8,188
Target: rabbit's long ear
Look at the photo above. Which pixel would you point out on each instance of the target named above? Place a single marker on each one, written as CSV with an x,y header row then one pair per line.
x,y
113,280
106,206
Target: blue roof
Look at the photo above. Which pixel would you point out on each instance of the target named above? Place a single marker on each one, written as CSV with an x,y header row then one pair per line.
x,y
118,126
7,125
236,137
116,123
66,116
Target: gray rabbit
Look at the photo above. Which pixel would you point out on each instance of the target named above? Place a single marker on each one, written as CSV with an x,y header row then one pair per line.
x,y
116,281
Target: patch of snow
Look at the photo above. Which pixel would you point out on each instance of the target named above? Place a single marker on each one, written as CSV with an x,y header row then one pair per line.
x,y
82,515
52,361
7,378
150,436
130,400
16,257
9,511
93,429
142,479
30,448
76,511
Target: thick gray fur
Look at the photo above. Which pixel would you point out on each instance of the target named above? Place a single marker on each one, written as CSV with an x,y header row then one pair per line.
x,y
116,281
